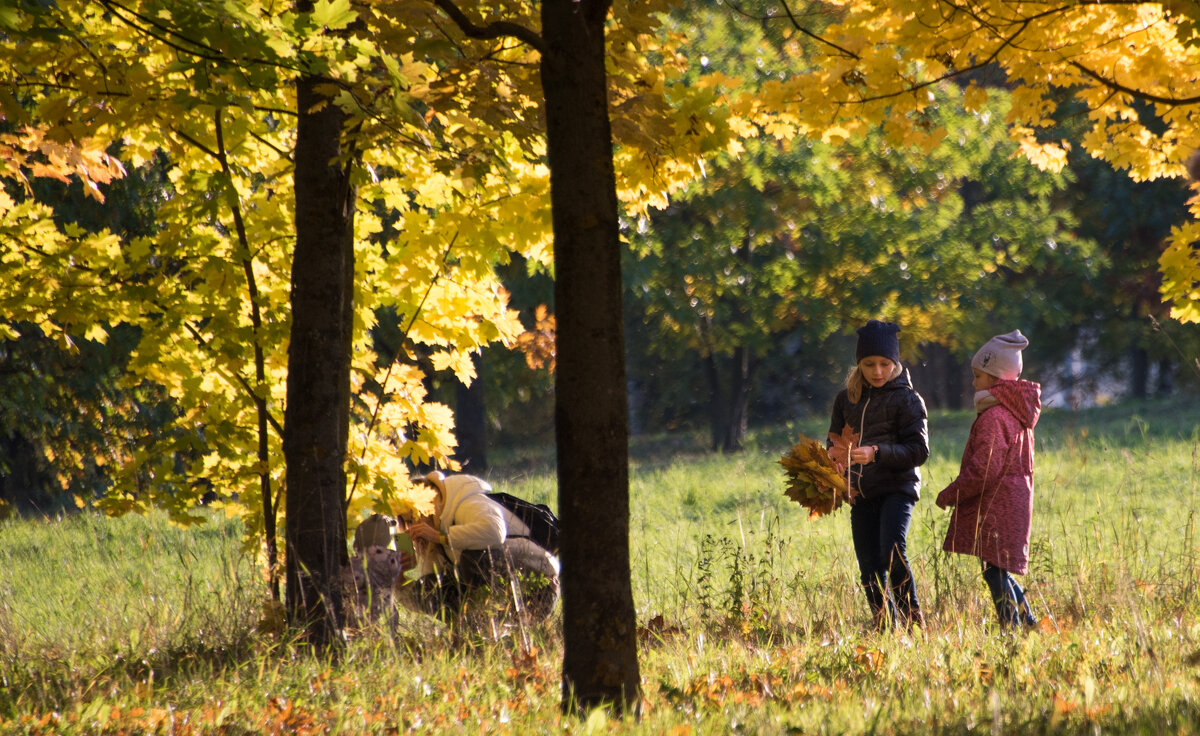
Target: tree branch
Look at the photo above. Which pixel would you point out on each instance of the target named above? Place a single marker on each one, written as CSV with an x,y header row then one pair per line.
x,y
816,37
164,34
1146,96
499,29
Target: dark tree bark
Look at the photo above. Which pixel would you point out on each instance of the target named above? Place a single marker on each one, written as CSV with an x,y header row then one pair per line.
x,y
741,376
1139,372
470,421
1164,383
600,665
316,421
729,410
942,378
718,416
24,482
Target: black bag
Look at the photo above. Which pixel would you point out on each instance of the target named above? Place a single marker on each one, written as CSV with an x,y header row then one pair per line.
x,y
542,523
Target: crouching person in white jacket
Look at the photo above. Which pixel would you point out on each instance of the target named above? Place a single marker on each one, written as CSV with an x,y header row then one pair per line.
x,y
472,543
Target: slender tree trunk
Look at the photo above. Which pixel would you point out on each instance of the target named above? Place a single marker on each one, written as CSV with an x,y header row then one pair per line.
x,y
718,417
741,371
600,665
270,532
1164,382
316,420
1139,374
470,420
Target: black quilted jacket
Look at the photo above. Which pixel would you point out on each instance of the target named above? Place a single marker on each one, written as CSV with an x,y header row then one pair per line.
x,y
892,417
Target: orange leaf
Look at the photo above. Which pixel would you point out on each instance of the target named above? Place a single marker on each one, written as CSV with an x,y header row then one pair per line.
x,y
843,443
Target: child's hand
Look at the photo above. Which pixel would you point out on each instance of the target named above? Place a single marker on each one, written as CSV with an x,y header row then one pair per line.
x,y
945,499
407,561
423,532
863,454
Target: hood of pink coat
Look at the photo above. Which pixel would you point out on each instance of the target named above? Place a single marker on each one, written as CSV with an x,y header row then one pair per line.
x,y
1022,398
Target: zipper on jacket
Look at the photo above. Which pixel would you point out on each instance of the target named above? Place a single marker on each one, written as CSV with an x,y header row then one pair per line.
x,y
862,424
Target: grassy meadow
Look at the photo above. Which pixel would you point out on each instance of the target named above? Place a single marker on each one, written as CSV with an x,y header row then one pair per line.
x,y
752,619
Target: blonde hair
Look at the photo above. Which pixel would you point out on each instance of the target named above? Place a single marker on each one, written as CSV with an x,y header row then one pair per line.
x,y
855,381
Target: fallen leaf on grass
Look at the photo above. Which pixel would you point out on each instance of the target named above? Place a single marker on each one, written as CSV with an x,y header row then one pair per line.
x,y
657,628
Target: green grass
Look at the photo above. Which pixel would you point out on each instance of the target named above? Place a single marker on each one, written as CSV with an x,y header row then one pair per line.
x,y
752,617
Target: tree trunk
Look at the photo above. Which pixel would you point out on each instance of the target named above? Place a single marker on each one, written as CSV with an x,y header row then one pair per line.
x,y
1164,382
470,420
24,482
1139,373
316,420
741,370
718,417
600,665
941,379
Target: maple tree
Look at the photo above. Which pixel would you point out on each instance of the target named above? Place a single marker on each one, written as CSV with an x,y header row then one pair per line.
x,y
600,82
881,63
441,169
209,288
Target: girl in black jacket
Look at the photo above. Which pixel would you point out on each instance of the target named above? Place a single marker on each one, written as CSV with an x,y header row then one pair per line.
x,y
880,405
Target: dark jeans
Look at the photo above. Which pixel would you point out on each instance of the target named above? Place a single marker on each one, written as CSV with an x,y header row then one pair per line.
x,y
445,594
1008,596
880,530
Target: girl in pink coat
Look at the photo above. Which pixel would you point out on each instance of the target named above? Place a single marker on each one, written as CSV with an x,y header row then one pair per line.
x,y
993,493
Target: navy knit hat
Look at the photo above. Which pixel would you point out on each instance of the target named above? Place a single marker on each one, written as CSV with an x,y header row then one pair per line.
x,y
878,338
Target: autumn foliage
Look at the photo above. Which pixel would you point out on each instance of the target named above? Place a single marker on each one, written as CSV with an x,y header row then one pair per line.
x,y
879,63
813,480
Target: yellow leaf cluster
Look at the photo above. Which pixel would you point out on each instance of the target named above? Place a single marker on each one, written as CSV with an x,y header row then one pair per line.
x,y
1180,265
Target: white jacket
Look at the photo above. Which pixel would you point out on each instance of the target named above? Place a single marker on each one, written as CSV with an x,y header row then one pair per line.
x,y
471,520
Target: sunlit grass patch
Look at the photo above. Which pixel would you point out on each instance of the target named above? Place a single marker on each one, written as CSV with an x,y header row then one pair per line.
x,y
750,614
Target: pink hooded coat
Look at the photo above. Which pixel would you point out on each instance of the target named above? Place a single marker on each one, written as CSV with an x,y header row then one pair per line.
x,y
993,493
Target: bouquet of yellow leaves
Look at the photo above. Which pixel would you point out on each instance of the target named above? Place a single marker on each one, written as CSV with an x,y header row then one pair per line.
x,y
813,481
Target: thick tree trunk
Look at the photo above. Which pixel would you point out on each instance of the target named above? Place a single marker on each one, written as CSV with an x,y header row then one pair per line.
x,y
316,422
600,665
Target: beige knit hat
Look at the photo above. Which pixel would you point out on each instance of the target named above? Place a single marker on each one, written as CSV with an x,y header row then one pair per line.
x,y
1001,356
